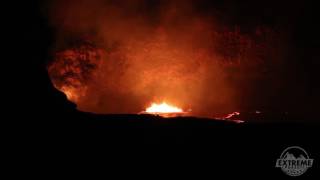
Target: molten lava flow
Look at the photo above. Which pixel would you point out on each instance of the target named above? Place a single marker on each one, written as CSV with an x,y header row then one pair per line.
x,y
234,116
163,108
231,115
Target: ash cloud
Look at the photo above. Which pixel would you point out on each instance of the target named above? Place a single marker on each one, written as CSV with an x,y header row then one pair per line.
x,y
179,51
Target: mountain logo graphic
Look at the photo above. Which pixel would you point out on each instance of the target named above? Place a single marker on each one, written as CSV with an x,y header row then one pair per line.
x,y
294,161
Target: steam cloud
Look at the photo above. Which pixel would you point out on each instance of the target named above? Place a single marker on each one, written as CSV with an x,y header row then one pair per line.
x,y
119,56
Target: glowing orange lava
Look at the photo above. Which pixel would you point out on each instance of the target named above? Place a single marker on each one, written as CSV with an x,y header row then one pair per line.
x,y
163,108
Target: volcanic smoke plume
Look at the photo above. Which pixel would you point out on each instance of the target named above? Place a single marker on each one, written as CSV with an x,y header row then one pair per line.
x,y
119,57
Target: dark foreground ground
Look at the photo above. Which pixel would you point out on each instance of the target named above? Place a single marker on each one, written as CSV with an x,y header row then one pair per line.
x,y
151,146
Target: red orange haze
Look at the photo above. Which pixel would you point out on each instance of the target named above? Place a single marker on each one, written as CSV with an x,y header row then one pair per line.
x,y
120,57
